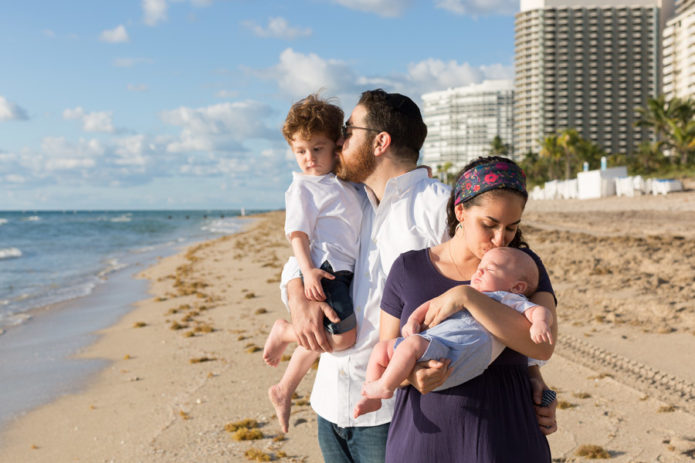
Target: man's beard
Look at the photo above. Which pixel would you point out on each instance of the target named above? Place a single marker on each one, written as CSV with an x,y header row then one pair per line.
x,y
359,166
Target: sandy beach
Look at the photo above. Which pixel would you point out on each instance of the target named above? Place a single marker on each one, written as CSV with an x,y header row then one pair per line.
x,y
185,367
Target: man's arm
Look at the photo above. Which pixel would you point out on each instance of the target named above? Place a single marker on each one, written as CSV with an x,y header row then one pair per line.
x,y
307,318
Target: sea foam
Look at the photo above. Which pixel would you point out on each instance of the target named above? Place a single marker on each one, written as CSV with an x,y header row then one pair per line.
x,y
10,253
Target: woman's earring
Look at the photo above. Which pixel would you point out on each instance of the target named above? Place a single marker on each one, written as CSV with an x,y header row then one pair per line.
x,y
459,226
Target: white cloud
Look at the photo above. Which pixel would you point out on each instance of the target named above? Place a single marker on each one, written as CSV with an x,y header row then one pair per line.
x,y
61,148
220,127
298,74
116,35
49,33
138,88
154,11
76,113
69,164
91,122
387,8
129,62
10,111
227,94
434,74
278,28
14,178
132,151
476,7
98,122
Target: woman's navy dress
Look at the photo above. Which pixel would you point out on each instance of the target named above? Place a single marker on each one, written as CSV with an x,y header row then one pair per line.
x,y
487,419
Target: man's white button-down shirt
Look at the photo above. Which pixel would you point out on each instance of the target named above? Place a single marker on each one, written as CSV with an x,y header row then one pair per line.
x,y
411,215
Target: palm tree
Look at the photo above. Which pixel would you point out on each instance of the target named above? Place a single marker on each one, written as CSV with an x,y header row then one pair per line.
x,y
655,115
444,174
672,122
682,129
498,148
569,142
551,150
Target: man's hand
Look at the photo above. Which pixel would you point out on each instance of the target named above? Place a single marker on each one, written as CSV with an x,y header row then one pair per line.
x,y
429,375
312,284
545,415
307,318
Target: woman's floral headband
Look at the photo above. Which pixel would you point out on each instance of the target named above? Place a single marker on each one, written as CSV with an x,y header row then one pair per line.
x,y
486,177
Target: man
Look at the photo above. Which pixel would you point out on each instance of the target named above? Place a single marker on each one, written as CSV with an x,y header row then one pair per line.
x,y
403,210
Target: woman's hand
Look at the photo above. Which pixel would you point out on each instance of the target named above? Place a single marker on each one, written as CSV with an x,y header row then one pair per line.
x,y
429,375
545,415
443,306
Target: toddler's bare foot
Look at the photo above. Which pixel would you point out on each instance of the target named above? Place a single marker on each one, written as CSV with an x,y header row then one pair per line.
x,y
274,345
375,390
366,405
282,401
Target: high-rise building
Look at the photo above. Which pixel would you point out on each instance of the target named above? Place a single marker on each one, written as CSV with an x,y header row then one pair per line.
x,y
679,52
462,122
587,65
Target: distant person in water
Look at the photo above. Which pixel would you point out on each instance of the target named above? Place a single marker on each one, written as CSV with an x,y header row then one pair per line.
x,y
323,218
507,275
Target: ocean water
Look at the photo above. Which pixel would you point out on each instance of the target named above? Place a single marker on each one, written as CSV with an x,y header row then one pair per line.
x,y
65,275
52,257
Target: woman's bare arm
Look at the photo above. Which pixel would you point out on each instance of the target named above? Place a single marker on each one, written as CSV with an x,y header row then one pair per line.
x,y
505,323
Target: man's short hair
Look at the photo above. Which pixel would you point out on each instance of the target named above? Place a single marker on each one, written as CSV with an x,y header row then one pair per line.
x,y
400,117
313,115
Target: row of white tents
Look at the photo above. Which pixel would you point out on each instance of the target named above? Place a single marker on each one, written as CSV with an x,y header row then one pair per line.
x,y
602,183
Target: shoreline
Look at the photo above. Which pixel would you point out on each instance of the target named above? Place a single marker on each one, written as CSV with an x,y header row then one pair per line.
x,y
167,395
41,355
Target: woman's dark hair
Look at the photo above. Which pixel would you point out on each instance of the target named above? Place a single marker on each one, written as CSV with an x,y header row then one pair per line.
x,y
452,222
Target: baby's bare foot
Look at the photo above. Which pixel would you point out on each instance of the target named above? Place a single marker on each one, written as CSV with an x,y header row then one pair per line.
x,y
366,405
274,345
375,390
282,403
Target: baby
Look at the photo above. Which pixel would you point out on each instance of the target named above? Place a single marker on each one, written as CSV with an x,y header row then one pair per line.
x,y
322,221
507,275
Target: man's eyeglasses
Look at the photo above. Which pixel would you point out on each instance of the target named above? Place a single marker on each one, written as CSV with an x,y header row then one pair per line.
x,y
347,127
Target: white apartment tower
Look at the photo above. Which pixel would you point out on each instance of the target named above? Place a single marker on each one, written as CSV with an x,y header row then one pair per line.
x,y
586,64
462,122
679,52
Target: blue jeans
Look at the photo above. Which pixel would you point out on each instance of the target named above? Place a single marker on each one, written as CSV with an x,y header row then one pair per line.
x,y
364,444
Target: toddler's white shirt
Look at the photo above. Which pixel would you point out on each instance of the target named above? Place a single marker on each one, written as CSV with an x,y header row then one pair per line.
x,y
329,211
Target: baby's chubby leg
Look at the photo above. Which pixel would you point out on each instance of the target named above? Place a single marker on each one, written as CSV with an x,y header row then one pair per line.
x,y
378,361
395,369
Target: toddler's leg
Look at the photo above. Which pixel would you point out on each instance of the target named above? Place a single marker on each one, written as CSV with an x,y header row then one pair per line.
x,y
280,336
281,393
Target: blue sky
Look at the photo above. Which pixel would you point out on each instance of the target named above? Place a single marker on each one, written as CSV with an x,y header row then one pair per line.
x,y
178,104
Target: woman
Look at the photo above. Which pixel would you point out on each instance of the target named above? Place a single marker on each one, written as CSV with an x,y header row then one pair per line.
x,y
490,418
